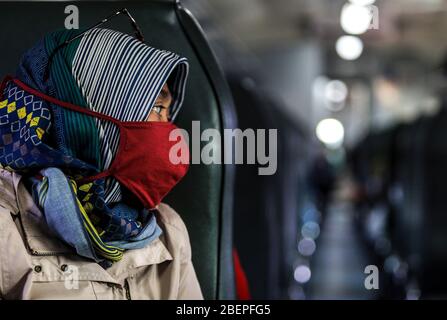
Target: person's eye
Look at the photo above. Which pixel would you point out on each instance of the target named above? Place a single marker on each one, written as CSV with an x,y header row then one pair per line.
x,y
158,109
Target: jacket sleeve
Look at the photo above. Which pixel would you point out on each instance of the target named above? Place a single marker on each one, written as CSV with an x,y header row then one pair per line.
x,y
8,198
3,211
5,227
189,288
8,206
189,285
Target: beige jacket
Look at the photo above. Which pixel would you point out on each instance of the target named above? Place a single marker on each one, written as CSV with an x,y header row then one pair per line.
x,y
35,265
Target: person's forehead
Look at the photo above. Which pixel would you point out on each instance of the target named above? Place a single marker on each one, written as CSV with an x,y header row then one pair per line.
x,y
165,93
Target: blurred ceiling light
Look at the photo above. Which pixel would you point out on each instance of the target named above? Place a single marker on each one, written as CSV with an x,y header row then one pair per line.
x,y
355,19
302,274
306,247
296,292
392,264
310,230
362,2
311,214
349,47
335,93
331,133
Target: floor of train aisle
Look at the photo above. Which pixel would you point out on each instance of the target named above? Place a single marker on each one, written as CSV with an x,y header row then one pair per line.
x,y
340,259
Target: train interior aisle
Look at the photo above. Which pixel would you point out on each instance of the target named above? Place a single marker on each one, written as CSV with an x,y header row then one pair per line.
x,y
339,263
357,91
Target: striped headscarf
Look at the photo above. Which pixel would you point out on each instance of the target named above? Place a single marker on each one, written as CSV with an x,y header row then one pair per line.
x,y
108,72
121,77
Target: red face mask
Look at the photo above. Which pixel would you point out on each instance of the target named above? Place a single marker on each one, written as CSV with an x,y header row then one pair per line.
x,y
146,172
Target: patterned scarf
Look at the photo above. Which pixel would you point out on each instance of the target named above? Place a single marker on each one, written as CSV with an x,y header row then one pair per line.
x,y
105,71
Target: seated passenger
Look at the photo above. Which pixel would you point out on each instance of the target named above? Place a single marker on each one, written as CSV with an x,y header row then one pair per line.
x,y
84,165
